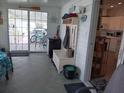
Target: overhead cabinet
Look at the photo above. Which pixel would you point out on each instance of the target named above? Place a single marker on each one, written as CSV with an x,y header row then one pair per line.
x,y
122,23
112,23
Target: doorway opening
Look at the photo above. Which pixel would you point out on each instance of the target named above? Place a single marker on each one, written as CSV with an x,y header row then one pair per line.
x,y
27,31
108,39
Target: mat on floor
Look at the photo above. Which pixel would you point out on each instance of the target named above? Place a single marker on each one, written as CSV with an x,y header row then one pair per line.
x,y
71,88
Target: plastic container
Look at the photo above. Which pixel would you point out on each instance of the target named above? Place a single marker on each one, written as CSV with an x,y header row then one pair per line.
x,y
69,71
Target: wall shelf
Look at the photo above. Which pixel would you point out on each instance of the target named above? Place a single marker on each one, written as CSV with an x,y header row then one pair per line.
x,y
71,20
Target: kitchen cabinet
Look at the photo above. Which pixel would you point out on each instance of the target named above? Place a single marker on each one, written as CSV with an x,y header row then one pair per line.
x,y
112,23
122,23
105,22
113,45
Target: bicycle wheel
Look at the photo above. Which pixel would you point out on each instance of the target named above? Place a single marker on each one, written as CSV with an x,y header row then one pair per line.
x,y
33,39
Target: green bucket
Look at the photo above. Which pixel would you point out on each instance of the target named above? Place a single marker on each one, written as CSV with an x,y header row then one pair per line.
x,y
69,71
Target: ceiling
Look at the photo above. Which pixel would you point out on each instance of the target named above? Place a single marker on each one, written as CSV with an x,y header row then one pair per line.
x,y
58,3
113,3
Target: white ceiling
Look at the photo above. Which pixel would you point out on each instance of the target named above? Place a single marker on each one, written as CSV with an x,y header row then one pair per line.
x,y
113,3
58,3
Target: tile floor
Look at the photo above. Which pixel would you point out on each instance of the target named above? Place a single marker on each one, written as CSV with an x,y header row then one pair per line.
x,y
34,74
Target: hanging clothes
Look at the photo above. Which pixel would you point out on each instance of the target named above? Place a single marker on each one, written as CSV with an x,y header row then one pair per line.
x,y
66,41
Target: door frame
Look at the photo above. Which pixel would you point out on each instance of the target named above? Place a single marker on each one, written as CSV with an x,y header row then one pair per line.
x,y
28,28
91,39
91,45
121,52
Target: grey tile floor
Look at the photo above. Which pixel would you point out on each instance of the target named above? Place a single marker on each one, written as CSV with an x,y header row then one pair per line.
x,y
38,48
34,74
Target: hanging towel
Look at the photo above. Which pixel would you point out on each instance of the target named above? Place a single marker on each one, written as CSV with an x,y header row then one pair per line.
x,y
66,41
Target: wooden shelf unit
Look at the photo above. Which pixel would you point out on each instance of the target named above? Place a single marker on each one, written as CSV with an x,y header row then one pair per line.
x,y
71,20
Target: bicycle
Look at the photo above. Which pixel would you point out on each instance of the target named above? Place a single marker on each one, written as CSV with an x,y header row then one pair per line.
x,y
39,37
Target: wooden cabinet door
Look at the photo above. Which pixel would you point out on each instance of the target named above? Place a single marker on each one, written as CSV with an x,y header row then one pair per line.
x,y
115,23
122,23
113,44
105,22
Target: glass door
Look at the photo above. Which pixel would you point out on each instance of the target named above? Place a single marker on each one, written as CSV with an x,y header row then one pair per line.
x,y
22,22
18,30
38,31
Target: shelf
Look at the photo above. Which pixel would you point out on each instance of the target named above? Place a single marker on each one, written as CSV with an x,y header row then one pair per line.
x,y
71,20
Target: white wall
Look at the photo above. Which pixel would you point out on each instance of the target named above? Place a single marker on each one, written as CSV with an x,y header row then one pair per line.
x,y
3,29
84,36
52,12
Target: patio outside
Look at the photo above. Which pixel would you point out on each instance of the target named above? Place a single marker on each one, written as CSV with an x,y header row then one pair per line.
x,y
18,30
